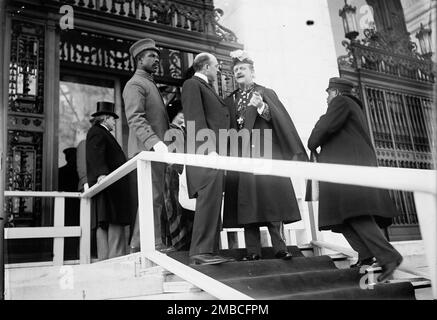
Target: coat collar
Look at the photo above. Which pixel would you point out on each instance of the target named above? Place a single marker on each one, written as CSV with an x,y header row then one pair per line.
x,y
144,74
201,76
107,132
206,84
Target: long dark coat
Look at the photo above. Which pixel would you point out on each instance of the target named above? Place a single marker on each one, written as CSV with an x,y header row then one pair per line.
x,y
343,136
104,155
259,198
207,110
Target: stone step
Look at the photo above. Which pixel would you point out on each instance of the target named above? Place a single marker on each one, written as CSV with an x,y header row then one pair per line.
x,y
201,295
106,280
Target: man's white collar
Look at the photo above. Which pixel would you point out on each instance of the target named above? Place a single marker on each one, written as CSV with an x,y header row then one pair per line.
x,y
202,76
104,126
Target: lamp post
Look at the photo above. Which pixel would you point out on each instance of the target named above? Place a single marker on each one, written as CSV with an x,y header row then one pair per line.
x,y
424,37
348,14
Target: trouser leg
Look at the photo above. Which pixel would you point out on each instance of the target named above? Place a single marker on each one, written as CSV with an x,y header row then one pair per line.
x,y
278,242
135,239
158,182
102,243
207,217
355,242
252,238
374,239
116,241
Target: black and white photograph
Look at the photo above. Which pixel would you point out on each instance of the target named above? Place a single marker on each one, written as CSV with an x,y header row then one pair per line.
x,y
208,154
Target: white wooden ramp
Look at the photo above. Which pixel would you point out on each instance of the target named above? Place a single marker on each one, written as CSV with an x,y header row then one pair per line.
x,y
128,277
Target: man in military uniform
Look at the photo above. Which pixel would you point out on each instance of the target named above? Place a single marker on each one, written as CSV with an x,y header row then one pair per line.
x,y
148,121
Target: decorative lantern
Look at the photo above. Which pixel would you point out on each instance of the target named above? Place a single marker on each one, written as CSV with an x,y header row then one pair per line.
x,y
424,37
349,21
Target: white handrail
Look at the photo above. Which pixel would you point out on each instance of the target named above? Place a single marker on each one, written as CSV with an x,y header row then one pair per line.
x,y
42,194
378,177
58,231
421,182
114,176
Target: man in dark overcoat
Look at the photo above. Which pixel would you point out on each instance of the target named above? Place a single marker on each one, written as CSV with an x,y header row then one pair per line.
x,y
205,109
356,212
68,180
252,201
111,207
147,118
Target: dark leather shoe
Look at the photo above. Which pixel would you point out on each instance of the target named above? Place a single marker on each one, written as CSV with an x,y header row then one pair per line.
x,y
134,249
251,257
164,249
364,262
284,255
388,269
228,259
206,259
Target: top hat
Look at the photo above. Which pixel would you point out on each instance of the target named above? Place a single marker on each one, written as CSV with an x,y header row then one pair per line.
x,y
141,45
340,84
104,107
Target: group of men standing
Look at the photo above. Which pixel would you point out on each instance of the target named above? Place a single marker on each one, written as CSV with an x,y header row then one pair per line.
x,y
250,201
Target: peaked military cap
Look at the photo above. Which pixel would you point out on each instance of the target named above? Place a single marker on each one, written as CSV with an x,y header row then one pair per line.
x,y
141,45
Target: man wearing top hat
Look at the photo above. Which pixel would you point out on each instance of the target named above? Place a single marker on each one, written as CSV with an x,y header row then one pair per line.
x,y
148,121
356,212
110,208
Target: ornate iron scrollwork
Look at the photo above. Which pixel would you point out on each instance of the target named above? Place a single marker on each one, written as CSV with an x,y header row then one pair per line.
x,y
391,53
26,80
24,172
193,15
25,121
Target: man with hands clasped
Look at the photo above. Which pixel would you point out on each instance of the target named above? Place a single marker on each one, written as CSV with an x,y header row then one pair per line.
x,y
252,201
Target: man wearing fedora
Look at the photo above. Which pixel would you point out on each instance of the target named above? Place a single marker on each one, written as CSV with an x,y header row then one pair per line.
x,y
110,208
148,121
355,211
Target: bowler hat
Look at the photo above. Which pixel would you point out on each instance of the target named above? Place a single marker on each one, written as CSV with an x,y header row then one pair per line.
x,y
141,45
340,84
104,107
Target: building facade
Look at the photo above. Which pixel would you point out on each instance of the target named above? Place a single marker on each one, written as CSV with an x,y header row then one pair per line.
x,y
60,57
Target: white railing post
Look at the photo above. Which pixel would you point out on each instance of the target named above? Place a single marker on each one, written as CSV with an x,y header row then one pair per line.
x,y
145,206
85,227
224,244
426,204
313,228
58,242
